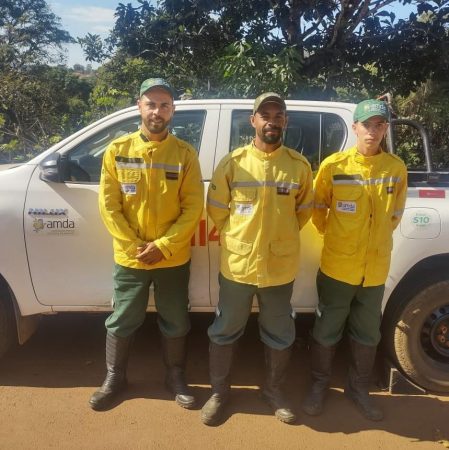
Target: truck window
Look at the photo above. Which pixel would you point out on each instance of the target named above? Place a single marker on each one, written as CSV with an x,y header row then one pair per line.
x,y
315,135
86,158
334,134
408,145
188,126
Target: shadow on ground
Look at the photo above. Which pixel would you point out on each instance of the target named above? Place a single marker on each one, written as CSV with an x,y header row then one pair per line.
x,y
68,351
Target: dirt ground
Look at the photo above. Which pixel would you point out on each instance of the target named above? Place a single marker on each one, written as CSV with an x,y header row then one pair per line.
x,y
45,386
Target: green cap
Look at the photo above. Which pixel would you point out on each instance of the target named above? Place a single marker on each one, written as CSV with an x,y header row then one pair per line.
x,y
155,82
370,108
268,97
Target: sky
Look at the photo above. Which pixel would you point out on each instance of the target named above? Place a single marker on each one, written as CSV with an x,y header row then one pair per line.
x,y
80,17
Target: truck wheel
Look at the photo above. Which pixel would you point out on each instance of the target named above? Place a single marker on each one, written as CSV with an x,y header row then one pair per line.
x,y
417,336
7,326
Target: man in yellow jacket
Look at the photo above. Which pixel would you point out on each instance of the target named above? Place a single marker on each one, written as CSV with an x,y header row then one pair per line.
x,y
151,199
359,200
259,198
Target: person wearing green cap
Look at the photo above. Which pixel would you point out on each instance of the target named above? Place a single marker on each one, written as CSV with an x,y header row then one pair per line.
x,y
151,200
259,198
359,200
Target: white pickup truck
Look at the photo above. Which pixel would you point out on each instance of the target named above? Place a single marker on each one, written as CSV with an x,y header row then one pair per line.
x,y
56,255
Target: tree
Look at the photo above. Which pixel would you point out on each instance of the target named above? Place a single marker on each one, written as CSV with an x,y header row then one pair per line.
x,y
308,48
429,105
38,104
29,32
179,43
93,47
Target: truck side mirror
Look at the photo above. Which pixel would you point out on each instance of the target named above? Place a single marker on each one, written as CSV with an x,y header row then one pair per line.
x,y
52,168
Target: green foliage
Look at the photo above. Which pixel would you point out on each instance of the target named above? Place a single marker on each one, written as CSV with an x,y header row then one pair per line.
x,y
347,51
303,49
28,33
250,69
7,150
409,148
178,40
93,47
117,86
429,105
38,103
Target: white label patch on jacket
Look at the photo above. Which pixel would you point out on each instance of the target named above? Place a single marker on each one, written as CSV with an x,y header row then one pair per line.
x,y
129,188
347,207
244,209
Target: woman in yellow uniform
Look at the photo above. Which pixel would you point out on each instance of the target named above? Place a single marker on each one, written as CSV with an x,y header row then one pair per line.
x,y
359,200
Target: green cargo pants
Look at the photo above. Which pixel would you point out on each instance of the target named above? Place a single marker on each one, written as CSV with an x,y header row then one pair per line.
x,y
343,305
131,291
276,317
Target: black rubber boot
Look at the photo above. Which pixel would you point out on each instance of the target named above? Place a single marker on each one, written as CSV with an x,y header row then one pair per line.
x,y
357,385
117,352
220,362
174,351
276,362
321,364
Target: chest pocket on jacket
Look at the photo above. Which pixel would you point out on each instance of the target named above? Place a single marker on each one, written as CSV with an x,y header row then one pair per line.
x,y
243,200
129,175
346,198
344,224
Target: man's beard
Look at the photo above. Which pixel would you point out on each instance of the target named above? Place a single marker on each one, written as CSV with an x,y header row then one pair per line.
x,y
158,127
272,138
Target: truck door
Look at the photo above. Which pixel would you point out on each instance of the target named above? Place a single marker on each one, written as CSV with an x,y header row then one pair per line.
x,y
69,249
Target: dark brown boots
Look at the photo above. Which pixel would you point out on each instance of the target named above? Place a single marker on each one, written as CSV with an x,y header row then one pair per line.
x,y
276,362
220,362
174,351
357,385
321,368
117,352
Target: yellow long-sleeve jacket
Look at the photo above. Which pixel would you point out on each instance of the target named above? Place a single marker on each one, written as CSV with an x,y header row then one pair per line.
x,y
358,203
151,192
259,201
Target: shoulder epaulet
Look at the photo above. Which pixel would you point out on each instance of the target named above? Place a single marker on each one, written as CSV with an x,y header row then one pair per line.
x,y
126,138
296,155
231,156
237,152
337,156
396,157
185,145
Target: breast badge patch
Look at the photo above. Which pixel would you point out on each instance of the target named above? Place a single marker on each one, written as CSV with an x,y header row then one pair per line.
x,y
346,207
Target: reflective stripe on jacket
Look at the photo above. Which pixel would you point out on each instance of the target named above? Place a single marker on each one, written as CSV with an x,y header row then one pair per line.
x,y
151,191
358,203
259,201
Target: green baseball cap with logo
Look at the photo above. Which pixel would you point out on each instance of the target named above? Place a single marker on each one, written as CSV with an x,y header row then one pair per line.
x,y
370,108
268,97
156,82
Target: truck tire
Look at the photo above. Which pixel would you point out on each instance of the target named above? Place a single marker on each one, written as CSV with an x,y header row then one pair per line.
x,y
7,325
417,336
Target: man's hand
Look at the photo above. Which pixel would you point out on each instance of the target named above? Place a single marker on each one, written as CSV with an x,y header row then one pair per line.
x,y
149,254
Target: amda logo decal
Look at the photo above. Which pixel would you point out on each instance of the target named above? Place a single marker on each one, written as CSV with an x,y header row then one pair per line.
x,y
38,225
56,226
